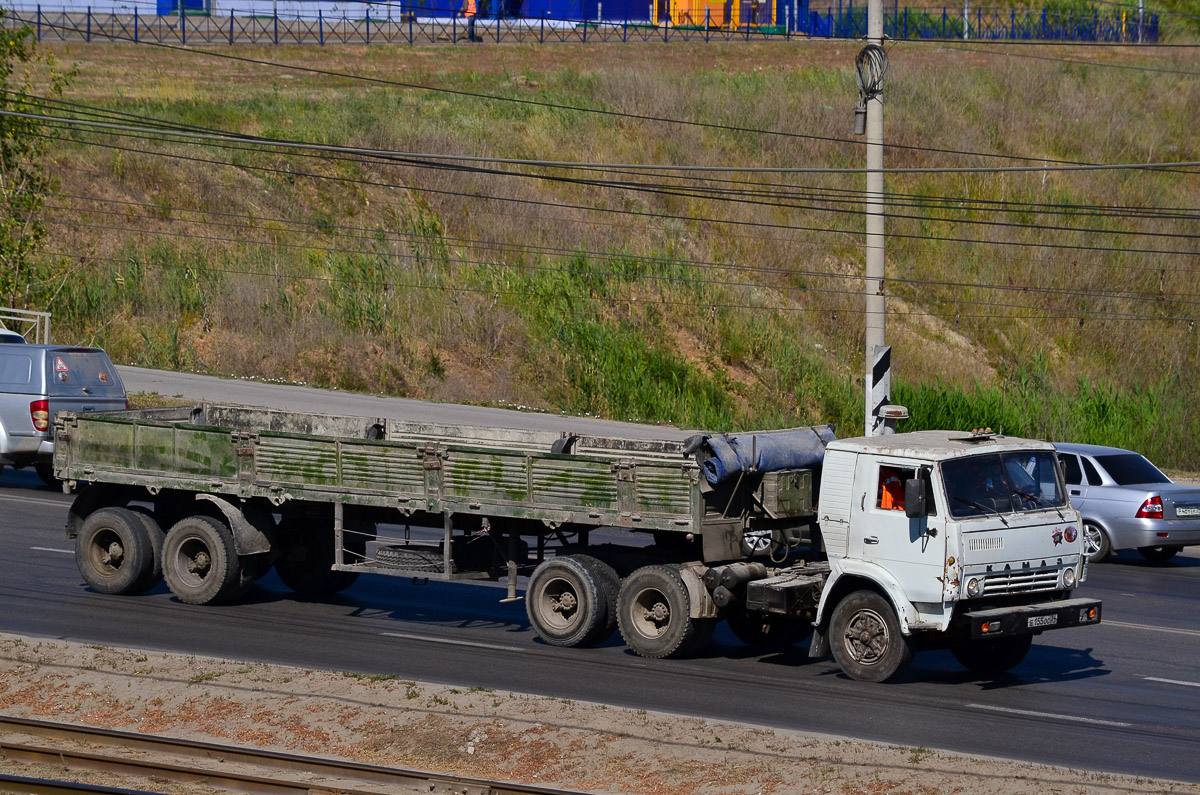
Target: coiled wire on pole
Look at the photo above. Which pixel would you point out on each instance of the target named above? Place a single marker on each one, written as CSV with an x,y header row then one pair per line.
x,y
871,64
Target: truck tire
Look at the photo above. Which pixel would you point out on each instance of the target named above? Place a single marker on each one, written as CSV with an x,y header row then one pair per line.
x,y
565,602
865,637
155,538
113,552
765,631
992,656
610,586
652,612
307,557
1095,543
200,563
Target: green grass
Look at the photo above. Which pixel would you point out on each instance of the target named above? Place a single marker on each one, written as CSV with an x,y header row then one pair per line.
x,y
373,277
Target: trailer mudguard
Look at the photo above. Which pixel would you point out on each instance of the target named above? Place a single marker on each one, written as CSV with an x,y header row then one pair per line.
x,y
247,539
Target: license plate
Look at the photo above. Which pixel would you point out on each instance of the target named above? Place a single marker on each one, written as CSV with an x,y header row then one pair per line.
x,y
1187,510
1042,621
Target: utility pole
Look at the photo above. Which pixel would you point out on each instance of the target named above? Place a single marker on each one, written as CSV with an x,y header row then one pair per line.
x,y
871,65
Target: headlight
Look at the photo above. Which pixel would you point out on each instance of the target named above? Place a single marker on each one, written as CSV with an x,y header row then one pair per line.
x,y
974,586
1069,578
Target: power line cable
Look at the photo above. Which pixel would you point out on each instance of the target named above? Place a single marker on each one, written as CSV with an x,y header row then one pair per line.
x,y
370,234
639,213
539,103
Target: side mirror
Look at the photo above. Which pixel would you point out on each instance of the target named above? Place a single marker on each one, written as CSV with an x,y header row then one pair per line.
x,y
914,499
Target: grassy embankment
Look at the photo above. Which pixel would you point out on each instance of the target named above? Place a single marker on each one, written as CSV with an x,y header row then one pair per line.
x,y
388,278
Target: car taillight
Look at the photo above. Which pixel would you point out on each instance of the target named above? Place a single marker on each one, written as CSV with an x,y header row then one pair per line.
x,y
39,412
1151,509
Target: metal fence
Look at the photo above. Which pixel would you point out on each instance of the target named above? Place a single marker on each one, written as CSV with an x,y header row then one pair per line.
x,y
786,19
1112,25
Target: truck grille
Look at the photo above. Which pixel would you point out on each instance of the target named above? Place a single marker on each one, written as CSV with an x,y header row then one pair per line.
x,y
1020,581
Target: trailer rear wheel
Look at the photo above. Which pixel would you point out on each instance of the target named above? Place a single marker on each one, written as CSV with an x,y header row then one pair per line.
x,y
200,563
866,639
305,564
765,631
992,656
610,586
652,611
113,552
565,601
155,538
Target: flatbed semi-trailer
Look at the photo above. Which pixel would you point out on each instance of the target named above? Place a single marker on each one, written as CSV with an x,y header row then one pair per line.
x,y
721,528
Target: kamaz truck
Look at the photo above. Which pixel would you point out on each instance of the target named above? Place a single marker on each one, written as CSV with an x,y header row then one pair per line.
x,y
870,548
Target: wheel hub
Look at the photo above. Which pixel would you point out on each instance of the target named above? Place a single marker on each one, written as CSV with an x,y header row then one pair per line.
x,y
200,564
659,613
867,637
113,554
565,604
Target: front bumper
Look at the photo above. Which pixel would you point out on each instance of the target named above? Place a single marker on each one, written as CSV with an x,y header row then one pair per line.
x,y
1032,619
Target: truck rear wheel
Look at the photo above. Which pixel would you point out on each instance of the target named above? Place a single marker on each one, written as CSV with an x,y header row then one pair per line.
x,y
765,631
994,655
200,563
652,612
305,564
113,552
866,640
566,602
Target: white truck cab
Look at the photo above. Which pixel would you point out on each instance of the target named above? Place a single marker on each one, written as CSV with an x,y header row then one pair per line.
x,y
945,539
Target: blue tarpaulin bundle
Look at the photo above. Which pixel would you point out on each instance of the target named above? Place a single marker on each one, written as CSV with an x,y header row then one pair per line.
x,y
764,451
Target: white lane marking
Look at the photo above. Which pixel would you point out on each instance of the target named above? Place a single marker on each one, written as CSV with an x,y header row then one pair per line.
x,y
52,549
35,501
1055,716
1152,628
1171,681
449,642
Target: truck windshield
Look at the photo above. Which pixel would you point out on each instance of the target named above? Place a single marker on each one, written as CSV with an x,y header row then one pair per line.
x,y
1002,483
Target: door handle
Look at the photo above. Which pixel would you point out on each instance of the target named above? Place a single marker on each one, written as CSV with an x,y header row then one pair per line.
x,y
1076,492
871,540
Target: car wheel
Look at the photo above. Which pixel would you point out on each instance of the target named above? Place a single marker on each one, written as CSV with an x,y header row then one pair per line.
x,y
45,471
1096,545
1158,554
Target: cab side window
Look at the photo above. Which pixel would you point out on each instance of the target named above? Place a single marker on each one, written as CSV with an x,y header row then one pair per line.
x,y
1072,472
1093,477
891,487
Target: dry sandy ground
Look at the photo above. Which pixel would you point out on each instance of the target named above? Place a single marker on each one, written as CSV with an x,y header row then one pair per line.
x,y
476,733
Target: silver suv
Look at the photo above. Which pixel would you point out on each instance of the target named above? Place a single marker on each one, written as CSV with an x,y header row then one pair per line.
x,y
36,382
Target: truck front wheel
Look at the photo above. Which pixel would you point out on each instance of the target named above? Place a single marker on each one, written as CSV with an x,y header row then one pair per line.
x,y
652,612
994,655
866,640
113,552
566,602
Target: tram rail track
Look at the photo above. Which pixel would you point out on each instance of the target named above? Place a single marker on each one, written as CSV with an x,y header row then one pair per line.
x,y
257,772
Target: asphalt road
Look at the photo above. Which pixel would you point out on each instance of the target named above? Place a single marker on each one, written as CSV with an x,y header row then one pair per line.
x,y
1121,697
